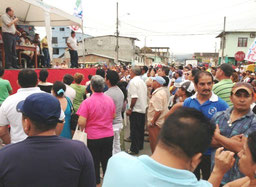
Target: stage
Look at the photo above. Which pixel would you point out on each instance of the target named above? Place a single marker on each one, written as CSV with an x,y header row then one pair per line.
x,y
54,75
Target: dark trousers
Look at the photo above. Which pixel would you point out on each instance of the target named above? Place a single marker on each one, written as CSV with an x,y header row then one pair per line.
x,y
137,123
73,58
46,57
40,60
28,60
205,167
9,41
101,150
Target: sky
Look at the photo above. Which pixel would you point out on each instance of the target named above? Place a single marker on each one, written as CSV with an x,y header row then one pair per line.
x,y
186,26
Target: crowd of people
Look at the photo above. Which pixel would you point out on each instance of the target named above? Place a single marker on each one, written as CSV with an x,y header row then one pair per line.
x,y
200,122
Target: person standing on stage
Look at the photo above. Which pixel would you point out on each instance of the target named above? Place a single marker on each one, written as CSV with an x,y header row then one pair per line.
x,y
46,52
9,39
72,45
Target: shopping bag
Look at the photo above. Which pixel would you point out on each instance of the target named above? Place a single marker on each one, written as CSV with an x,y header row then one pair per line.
x,y
80,135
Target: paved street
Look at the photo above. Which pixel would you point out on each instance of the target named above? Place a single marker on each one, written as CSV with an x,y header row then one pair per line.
x,y
146,149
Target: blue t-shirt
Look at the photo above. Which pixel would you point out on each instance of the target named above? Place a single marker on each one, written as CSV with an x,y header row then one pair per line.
x,y
209,108
124,170
51,161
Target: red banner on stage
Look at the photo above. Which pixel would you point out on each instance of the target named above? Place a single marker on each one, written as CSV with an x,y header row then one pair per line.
x,y
54,75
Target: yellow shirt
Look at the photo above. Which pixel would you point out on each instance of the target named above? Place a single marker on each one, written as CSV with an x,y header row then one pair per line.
x,y
44,41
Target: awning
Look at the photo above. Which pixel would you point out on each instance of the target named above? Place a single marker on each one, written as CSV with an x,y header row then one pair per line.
x,y
37,13
32,12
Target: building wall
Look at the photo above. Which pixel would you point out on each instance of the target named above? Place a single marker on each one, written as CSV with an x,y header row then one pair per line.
x,y
62,33
93,58
106,46
231,42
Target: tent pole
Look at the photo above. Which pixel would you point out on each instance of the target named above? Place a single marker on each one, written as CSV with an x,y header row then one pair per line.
x,y
48,32
83,48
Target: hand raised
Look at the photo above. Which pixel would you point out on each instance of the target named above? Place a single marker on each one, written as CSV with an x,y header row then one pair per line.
x,y
224,160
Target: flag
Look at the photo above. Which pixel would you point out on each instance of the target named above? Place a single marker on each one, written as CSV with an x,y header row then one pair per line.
x,y
78,12
251,54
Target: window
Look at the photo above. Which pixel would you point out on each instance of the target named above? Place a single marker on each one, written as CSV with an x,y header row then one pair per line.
x,y
65,38
54,40
62,29
55,51
242,42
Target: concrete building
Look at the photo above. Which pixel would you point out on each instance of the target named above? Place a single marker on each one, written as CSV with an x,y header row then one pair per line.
x,y
155,55
59,38
235,41
210,58
105,46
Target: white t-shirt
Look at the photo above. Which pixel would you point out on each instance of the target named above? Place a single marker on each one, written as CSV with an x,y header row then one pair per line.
x,y
70,93
138,89
10,116
72,42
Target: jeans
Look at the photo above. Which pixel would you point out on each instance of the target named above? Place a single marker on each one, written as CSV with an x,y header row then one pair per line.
x,y
73,58
46,57
9,41
137,123
101,150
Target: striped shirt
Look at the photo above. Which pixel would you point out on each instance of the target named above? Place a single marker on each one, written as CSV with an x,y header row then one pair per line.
x,y
223,90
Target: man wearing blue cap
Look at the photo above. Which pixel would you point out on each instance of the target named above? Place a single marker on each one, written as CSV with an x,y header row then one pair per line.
x,y
157,109
44,159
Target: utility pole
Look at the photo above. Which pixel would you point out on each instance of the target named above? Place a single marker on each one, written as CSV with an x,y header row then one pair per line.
x,y
223,41
117,34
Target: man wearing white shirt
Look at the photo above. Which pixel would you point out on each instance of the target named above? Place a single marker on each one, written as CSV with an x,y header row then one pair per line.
x,y
27,79
137,102
8,114
9,38
72,45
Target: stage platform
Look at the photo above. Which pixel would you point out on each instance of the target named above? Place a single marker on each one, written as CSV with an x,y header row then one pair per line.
x,y
54,75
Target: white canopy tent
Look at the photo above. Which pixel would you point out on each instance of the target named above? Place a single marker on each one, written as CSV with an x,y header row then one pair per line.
x,y
37,13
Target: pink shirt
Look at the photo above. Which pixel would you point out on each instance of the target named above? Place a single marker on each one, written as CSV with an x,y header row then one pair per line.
x,y
99,110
